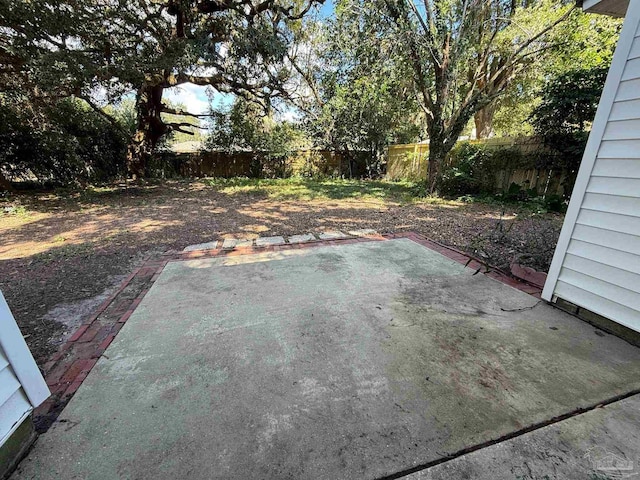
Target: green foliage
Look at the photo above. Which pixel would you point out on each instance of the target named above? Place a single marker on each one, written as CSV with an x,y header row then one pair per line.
x,y
77,46
303,189
471,170
462,175
103,51
353,88
316,167
245,126
528,199
365,115
124,112
460,55
564,116
62,143
583,39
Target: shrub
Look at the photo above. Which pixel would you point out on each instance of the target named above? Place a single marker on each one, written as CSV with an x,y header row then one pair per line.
x,y
461,174
62,143
317,167
473,169
563,118
275,166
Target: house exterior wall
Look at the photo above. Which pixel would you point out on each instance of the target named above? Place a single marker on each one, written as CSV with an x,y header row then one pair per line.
x,y
22,387
597,261
14,404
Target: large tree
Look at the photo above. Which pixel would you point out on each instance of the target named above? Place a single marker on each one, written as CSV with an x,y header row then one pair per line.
x,y
583,40
101,51
349,86
463,55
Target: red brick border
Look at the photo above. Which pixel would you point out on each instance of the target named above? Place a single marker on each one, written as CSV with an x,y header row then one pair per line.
x,y
464,258
67,368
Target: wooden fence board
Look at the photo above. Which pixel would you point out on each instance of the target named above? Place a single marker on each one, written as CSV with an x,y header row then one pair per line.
x,y
410,162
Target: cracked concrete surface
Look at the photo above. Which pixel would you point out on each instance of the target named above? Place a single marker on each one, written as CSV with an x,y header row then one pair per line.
x,y
601,444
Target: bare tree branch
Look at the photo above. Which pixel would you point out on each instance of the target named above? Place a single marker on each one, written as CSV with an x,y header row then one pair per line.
x,y
175,111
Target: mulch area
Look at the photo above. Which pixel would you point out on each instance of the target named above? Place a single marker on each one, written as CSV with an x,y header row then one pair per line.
x,y
70,365
68,253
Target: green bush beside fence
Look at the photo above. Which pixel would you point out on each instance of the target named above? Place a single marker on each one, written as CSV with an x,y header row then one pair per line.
x,y
517,167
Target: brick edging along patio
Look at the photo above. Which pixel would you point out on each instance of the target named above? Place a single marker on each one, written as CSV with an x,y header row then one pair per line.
x,y
67,368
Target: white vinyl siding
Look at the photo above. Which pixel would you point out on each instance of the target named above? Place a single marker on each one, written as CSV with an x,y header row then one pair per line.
x,y
14,405
628,90
22,387
624,110
611,203
626,168
597,262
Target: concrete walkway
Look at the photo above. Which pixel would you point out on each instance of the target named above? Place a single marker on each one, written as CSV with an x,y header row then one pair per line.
x,y
601,444
353,361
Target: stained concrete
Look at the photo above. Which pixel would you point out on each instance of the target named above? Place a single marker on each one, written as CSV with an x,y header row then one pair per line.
x,y
353,361
600,444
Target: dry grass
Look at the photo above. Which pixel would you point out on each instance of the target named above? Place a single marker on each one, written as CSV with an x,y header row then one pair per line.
x,y
64,249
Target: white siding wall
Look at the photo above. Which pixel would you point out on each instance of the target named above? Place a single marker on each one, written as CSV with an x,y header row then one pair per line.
x,y
22,387
597,261
14,404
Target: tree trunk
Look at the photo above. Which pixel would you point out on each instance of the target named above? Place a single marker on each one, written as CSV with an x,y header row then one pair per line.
x,y
138,153
483,120
441,140
437,152
437,155
5,184
150,129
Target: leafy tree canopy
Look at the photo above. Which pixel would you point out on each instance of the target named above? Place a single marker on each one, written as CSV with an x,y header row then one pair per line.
x,y
355,95
245,126
568,106
98,51
583,39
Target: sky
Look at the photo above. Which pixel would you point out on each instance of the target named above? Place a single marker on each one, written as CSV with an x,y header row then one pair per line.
x,y
196,99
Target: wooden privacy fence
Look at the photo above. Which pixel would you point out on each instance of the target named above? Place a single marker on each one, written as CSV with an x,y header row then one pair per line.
x,y
410,162
256,164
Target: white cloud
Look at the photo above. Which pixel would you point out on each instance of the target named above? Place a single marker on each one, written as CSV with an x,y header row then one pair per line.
x,y
193,97
289,115
197,99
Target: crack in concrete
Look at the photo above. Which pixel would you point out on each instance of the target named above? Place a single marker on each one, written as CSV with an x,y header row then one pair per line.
x,y
510,436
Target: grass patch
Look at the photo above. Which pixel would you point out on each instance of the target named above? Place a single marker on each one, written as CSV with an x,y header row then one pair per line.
x,y
63,252
309,189
15,211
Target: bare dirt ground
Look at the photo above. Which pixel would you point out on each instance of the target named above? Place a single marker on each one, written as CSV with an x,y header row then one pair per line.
x,y
61,254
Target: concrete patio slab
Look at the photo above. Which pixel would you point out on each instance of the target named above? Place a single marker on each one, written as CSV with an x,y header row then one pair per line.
x,y
351,361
